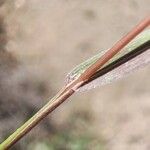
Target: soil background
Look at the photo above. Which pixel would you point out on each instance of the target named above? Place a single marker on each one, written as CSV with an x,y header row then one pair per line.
x,y
41,41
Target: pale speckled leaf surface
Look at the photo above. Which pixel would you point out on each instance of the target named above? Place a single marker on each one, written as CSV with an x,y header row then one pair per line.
x,y
120,72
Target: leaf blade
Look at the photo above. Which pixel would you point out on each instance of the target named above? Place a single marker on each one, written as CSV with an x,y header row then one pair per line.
x,y
77,71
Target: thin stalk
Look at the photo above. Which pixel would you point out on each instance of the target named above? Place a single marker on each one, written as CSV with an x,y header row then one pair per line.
x,y
68,90
32,122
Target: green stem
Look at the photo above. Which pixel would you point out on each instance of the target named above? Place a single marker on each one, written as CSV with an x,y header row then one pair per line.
x,y
33,121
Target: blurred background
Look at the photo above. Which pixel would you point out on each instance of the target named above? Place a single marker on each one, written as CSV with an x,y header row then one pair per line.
x,y
40,42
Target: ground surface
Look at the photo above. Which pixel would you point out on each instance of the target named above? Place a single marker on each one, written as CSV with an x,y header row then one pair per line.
x,y
49,38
